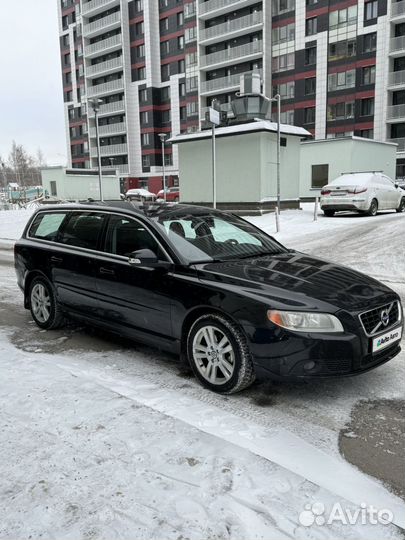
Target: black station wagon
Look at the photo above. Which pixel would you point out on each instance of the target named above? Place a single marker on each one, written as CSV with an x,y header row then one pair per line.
x,y
207,285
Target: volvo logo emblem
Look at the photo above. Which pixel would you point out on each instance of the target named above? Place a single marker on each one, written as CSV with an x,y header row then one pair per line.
x,y
385,318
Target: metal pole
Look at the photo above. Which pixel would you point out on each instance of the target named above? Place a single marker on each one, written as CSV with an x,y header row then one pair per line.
x,y
164,172
98,156
278,153
214,169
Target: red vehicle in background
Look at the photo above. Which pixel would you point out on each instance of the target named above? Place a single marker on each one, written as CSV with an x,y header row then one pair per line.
x,y
172,194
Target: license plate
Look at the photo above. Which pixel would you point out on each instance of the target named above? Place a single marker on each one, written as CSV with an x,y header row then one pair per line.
x,y
338,193
387,339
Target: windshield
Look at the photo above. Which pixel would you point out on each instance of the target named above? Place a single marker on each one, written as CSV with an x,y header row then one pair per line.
x,y
211,236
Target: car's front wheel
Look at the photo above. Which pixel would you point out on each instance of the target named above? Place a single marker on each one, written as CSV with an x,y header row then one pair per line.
x,y
43,305
401,207
372,211
219,354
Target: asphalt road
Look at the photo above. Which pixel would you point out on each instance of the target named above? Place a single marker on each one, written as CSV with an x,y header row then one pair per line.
x,y
360,417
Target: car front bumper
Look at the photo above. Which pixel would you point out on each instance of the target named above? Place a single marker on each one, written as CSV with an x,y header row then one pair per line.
x,y
307,356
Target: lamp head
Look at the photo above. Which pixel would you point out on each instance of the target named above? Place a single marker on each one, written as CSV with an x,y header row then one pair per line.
x,y
162,137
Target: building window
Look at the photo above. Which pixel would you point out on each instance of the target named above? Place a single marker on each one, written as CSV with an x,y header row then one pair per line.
x,y
146,162
282,6
181,66
367,107
180,18
367,133
309,115
141,73
66,59
190,34
310,86
182,89
287,117
342,17
192,108
341,80
282,34
311,26
144,117
183,113
311,2
341,111
145,139
310,56
319,176
140,51
370,10
284,62
138,5
166,117
164,24
342,49
191,60
370,42
165,47
139,28
191,83
180,42
165,72
168,159
143,95
368,75
189,9
286,90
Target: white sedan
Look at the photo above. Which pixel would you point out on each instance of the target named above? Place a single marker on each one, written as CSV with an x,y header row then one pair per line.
x,y
140,194
362,192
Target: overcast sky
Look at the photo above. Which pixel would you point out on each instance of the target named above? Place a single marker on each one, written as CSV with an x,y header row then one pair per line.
x,y
31,101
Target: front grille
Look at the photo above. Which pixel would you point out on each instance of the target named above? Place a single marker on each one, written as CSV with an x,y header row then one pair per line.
x,y
372,320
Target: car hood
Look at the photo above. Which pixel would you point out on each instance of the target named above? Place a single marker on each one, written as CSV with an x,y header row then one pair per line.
x,y
297,281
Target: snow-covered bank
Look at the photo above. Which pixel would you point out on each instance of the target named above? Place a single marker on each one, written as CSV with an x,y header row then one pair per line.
x,y
90,455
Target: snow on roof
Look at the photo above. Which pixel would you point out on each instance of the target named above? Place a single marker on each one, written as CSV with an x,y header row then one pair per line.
x,y
348,138
257,125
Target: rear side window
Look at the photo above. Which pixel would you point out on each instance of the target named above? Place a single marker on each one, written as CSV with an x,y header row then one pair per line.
x,y
46,226
82,230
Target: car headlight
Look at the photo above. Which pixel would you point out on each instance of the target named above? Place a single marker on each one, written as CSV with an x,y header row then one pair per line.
x,y
305,322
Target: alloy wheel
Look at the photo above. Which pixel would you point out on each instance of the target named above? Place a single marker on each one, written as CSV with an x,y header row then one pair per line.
x,y
213,354
40,303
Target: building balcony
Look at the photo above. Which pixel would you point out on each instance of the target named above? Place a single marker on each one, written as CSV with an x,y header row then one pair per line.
x,y
396,79
400,143
109,129
397,45
103,68
97,6
106,45
106,88
223,84
398,10
230,29
122,169
396,113
109,108
233,55
102,25
110,150
212,8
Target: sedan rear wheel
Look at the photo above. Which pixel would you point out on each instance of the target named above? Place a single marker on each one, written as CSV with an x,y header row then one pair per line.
x,y
219,354
43,305
329,213
372,211
401,207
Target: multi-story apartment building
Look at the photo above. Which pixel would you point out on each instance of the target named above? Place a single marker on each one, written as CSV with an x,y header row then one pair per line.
x,y
156,65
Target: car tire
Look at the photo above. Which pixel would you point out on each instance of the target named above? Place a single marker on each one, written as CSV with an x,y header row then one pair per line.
x,y
44,307
372,211
401,207
225,369
329,213
176,199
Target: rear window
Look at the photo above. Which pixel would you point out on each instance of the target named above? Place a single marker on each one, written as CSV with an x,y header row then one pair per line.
x,y
82,230
46,226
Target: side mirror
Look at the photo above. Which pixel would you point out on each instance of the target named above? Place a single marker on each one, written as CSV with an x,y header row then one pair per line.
x,y
396,185
143,257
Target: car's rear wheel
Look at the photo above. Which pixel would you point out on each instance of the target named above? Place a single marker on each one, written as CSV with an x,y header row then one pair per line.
x,y
372,211
219,354
401,207
329,213
176,199
43,305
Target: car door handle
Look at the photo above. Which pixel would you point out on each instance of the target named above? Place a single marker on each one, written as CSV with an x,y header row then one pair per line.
x,y
107,271
55,259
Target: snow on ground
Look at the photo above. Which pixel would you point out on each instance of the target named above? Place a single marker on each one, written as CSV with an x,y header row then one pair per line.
x,y
100,439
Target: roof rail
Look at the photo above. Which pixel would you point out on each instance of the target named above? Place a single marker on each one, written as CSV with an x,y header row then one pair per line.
x,y
359,172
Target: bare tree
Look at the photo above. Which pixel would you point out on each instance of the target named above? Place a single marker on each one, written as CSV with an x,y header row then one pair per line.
x,y
23,168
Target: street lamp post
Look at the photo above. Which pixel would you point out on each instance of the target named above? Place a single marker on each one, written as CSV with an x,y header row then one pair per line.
x,y
95,104
277,98
162,137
